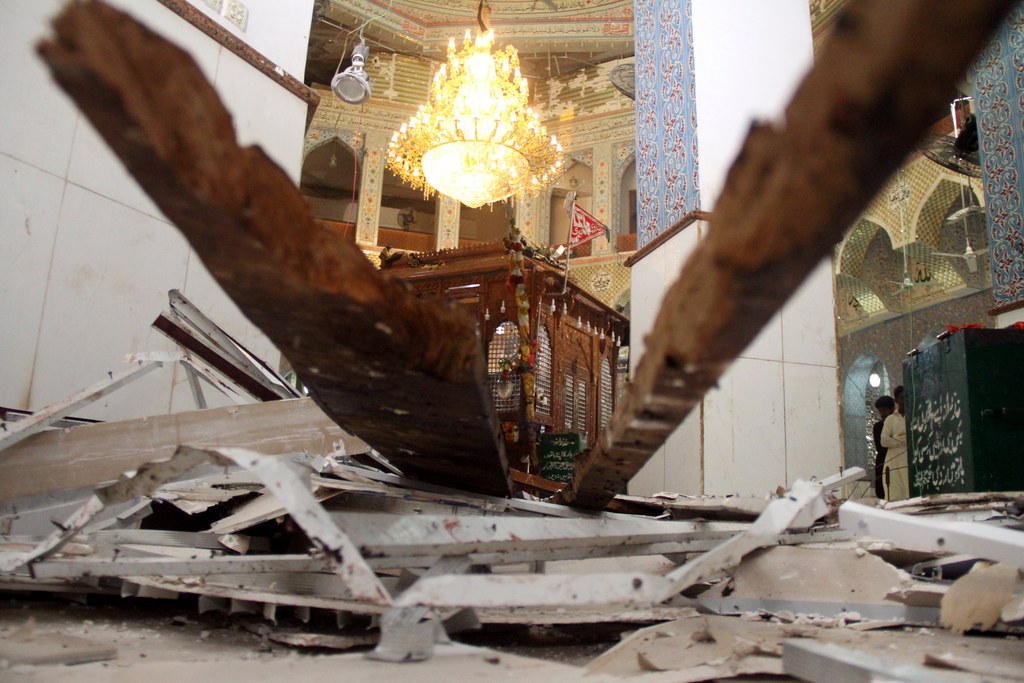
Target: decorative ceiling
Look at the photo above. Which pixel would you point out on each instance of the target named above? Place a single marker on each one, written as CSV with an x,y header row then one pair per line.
x,y
553,37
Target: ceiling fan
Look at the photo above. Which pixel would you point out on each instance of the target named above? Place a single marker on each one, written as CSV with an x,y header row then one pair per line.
x,y
958,154
623,77
966,215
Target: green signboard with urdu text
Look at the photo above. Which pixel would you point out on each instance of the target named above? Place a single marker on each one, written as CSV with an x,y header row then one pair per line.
x,y
558,456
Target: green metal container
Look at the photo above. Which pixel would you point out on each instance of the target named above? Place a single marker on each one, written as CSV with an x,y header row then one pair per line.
x,y
965,413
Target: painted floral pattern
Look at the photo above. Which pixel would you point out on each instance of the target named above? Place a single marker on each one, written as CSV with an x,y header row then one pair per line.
x,y
999,88
666,116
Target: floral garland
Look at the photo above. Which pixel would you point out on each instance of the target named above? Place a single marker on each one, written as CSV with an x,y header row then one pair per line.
x,y
524,362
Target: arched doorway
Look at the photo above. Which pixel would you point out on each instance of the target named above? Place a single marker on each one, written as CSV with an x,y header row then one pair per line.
x,y
330,184
866,380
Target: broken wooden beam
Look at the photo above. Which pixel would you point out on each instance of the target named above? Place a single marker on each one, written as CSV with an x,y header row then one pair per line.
x,y
795,187
405,375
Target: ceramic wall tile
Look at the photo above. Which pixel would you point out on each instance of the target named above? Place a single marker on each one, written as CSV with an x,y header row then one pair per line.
x,y
646,285
280,31
264,113
767,345
744,430
676,466
29,205
808,322
95,167
651,477
37,122
683,470
174,28
812,422
742,75
111,270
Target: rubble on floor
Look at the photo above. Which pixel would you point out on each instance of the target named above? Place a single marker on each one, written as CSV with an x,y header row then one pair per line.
x,y
402,566
283,533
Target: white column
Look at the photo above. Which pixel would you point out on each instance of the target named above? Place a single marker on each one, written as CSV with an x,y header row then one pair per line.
x,y
774,416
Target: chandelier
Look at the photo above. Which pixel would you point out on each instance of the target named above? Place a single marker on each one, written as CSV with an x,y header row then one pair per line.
x,y
476,139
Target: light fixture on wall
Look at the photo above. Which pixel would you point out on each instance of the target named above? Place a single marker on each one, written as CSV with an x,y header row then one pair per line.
x,y
477,139
353,85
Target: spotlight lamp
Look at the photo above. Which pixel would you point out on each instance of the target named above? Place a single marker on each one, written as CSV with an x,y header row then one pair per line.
x,y
353,85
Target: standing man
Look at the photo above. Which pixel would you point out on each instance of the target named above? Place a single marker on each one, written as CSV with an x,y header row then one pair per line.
x,y
885,407
894,438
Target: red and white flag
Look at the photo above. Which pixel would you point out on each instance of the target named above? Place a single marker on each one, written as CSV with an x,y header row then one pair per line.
x,y
584,227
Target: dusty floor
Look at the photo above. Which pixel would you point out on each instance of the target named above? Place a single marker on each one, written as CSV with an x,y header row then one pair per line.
x,y
158,638
167,640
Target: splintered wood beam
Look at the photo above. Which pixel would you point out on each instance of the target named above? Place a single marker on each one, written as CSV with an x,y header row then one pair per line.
x,y
796,186
406,376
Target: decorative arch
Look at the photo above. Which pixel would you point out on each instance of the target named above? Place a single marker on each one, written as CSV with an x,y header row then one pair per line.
x,y
858,412
853,248
329,179
926,224
317,139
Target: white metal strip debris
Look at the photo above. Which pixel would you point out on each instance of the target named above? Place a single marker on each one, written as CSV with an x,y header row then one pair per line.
x,y
383,534
22,429
304,509
804,497
817,662
534,590
161,566
920,533
146,480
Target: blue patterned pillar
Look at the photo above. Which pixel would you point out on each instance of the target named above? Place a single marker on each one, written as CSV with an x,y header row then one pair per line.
x,y
999,88
666,116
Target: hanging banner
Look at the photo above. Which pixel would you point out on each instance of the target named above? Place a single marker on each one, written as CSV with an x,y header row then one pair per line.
x,y
584,227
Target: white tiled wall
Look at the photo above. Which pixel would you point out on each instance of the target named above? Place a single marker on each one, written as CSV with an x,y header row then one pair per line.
x,y
774,416
87,258
29,205
106,284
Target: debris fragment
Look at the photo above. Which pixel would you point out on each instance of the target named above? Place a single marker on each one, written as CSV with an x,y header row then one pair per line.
x,y
977,599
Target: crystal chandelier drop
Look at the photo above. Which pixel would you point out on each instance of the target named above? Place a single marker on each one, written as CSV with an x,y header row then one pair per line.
x,y
476,139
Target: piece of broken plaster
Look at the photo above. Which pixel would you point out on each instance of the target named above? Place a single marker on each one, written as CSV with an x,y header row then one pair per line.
x,y
977,598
